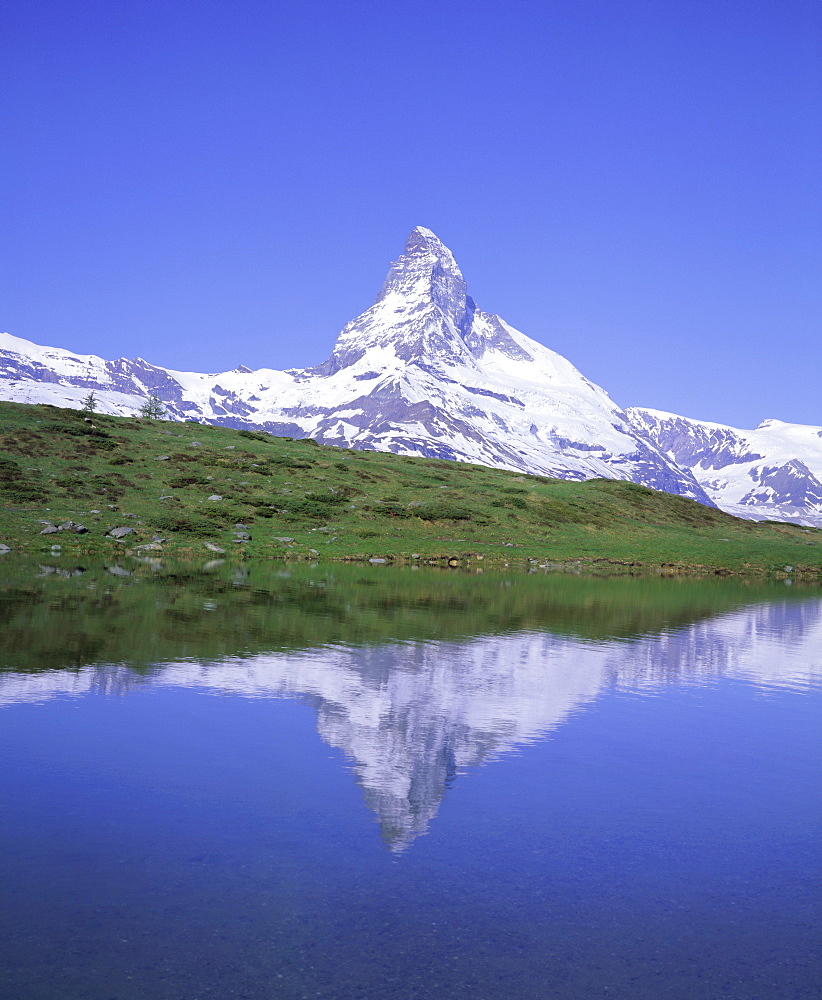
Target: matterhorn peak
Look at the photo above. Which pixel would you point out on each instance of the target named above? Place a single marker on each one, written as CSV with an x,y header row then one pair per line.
x,y
426,268
423,243
422,313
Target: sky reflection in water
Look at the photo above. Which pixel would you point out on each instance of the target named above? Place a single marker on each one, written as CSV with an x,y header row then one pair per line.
x,y
635,816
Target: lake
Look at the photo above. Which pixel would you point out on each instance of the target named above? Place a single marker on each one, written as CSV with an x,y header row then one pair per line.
x,y
362,783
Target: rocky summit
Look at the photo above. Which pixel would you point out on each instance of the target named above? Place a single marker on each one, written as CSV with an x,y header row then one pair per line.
x,y
424,371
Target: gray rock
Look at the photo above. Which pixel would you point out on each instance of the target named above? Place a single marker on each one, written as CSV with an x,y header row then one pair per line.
x,y
65,526
242,536
241,527
149,547
80,529
163,458
215,496
120,532
283,539
4,548
50,529
214,548
378,561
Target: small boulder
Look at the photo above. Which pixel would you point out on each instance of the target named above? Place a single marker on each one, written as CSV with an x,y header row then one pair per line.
x,y
65,526
283,539
163,458
215,496
214,548
4,548
242,536
50,529
80,529
120,532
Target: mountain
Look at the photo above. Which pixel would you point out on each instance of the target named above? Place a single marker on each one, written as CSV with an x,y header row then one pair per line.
x,y
771,472
423,371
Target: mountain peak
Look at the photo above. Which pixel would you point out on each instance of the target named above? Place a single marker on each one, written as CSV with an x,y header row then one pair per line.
x,y
423,242
425,268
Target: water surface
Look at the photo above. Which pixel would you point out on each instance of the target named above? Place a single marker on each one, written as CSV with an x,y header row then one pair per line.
x,y
365,783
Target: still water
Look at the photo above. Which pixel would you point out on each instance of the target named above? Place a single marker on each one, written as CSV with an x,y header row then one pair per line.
x,y
368,784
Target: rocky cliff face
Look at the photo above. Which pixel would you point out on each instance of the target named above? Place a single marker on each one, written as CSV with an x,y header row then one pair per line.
x,y
424,371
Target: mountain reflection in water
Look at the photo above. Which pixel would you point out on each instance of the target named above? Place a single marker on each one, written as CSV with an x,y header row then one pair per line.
x,y
411,715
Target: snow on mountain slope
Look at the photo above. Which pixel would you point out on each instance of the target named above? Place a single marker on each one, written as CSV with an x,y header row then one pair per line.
x,y
423,371
771,472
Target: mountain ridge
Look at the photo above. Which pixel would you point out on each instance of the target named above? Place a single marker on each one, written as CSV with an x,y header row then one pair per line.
x,y
423,371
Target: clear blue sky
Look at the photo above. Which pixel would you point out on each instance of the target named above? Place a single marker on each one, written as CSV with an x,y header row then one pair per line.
x,y
219,182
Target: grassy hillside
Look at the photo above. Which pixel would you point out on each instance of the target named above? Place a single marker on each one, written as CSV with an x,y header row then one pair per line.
x,y
297,499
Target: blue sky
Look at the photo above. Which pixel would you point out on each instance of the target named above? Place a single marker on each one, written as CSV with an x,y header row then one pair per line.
x,y
635,184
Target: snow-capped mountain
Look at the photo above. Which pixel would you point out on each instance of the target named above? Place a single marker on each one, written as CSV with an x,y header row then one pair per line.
x,y
423,371
773,471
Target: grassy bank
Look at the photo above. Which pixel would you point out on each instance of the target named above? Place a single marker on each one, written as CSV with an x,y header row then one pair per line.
x,y
187,490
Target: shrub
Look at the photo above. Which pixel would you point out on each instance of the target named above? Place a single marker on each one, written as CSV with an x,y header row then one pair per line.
x,y
442,511
255,436
14,485
80,429
180,482
184,524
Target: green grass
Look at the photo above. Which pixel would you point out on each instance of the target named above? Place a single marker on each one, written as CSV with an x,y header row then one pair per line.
x,y
339,504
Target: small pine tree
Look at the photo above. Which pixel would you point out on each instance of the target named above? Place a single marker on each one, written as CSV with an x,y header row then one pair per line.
x,y
152,409
90,403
